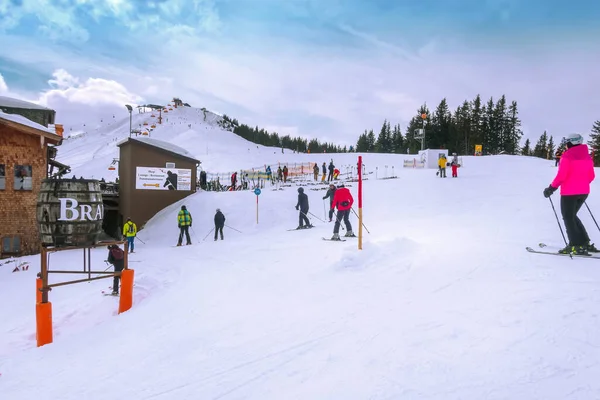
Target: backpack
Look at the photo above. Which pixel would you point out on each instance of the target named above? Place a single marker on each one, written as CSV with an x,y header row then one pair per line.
x,y
130,228
117,253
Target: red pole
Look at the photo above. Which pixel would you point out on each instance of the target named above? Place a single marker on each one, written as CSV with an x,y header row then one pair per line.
x,y
360,202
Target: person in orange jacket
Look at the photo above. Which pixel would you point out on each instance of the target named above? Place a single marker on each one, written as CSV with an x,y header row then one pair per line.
x,y
342,199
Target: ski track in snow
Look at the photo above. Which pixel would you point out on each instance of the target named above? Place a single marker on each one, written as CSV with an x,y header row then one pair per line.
x,y
443,302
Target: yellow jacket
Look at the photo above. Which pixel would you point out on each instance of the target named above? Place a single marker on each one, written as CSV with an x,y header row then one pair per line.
x,y
442,162
129,229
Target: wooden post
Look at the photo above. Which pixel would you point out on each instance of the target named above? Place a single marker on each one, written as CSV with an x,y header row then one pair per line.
x,y
38,290
126,298
360,226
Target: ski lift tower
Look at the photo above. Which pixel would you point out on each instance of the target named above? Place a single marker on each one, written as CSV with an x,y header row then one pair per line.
x,y
420,133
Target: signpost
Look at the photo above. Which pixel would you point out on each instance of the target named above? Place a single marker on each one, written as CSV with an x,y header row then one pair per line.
x,y
360,223
257,193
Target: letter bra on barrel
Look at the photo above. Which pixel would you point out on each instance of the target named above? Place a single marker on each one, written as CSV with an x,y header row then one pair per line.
x,y
70,212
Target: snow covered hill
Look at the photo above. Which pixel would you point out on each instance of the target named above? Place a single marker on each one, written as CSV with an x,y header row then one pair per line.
x,y
443,302
90,153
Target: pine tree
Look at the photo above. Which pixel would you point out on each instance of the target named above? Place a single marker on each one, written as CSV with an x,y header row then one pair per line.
x,y
541,147
383,144
550,153
513,133
362,145
526,150
370,141
594,143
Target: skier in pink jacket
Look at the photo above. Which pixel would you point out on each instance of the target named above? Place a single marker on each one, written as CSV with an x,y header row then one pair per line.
x,y
575,173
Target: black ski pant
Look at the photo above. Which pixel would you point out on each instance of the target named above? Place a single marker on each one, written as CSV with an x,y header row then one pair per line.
x,y
330,176
442,172
569,207
331,211
345,214
302,218
119,265
218,229
182,230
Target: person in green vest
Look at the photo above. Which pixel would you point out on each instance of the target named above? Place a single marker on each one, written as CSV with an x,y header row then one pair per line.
x,y
129,232
184,222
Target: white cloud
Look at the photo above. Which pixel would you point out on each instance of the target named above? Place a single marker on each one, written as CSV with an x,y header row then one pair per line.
x,y
3,86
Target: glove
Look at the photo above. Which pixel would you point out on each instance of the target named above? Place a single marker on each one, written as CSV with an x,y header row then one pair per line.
x,y
549,191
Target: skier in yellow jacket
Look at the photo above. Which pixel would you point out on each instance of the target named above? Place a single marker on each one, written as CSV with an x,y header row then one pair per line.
x,y
442,164
129,232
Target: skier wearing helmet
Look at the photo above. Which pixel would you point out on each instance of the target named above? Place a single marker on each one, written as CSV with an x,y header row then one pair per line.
x,y
303,206
575,173
330,193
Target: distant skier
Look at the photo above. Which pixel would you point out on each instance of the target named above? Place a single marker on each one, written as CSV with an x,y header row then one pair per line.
x,y
343,200
302,205
316,172
330,194
331,168
442,166
336,174
575,173
129,232
454,166
184,222
219,223
324,166
557,156
233,181
279,174
285,173
116,257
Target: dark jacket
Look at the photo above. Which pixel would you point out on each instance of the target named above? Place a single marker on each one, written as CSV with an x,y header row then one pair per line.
x,y
119,264
219,219
302,202
330,194
331,167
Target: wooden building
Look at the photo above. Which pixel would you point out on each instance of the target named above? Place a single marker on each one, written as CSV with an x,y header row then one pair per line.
x,y
153,175
24,160
33,112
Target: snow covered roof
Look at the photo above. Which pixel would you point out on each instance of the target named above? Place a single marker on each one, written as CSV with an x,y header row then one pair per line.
x,y
19,119
16,103
171,148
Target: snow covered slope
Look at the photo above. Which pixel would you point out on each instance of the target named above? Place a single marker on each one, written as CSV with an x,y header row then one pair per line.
x,y
443,302
90,153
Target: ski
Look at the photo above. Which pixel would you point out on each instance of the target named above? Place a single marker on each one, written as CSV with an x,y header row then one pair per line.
x,y
301,229
556,253
330,240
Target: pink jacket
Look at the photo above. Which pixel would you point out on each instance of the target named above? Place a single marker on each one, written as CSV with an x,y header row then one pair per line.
x,y
575,172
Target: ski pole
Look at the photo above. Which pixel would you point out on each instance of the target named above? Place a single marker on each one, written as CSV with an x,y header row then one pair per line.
x,y
232,228
211,229
592,216
363,224
316,216
558,222
336,219
140,240
324,212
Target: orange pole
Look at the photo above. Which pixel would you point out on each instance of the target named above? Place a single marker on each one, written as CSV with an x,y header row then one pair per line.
x,y
43,319
126,298
38,290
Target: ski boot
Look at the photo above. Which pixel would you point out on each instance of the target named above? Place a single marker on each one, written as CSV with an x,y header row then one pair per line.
x,y
568,249
336,236
580,250
350,234
591,248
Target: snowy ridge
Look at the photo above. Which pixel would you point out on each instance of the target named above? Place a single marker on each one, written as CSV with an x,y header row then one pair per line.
x,y
443,303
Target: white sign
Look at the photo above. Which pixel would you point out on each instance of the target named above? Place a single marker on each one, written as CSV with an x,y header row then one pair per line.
x,y
75,212
163,179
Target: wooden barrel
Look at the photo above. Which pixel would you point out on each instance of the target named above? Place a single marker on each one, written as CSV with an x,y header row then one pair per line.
x,y
70,212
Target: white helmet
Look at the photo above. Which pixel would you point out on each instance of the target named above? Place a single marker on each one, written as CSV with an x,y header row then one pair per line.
x,y
574,139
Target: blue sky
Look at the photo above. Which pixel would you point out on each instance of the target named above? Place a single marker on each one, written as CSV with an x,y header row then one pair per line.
x,y
328,68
